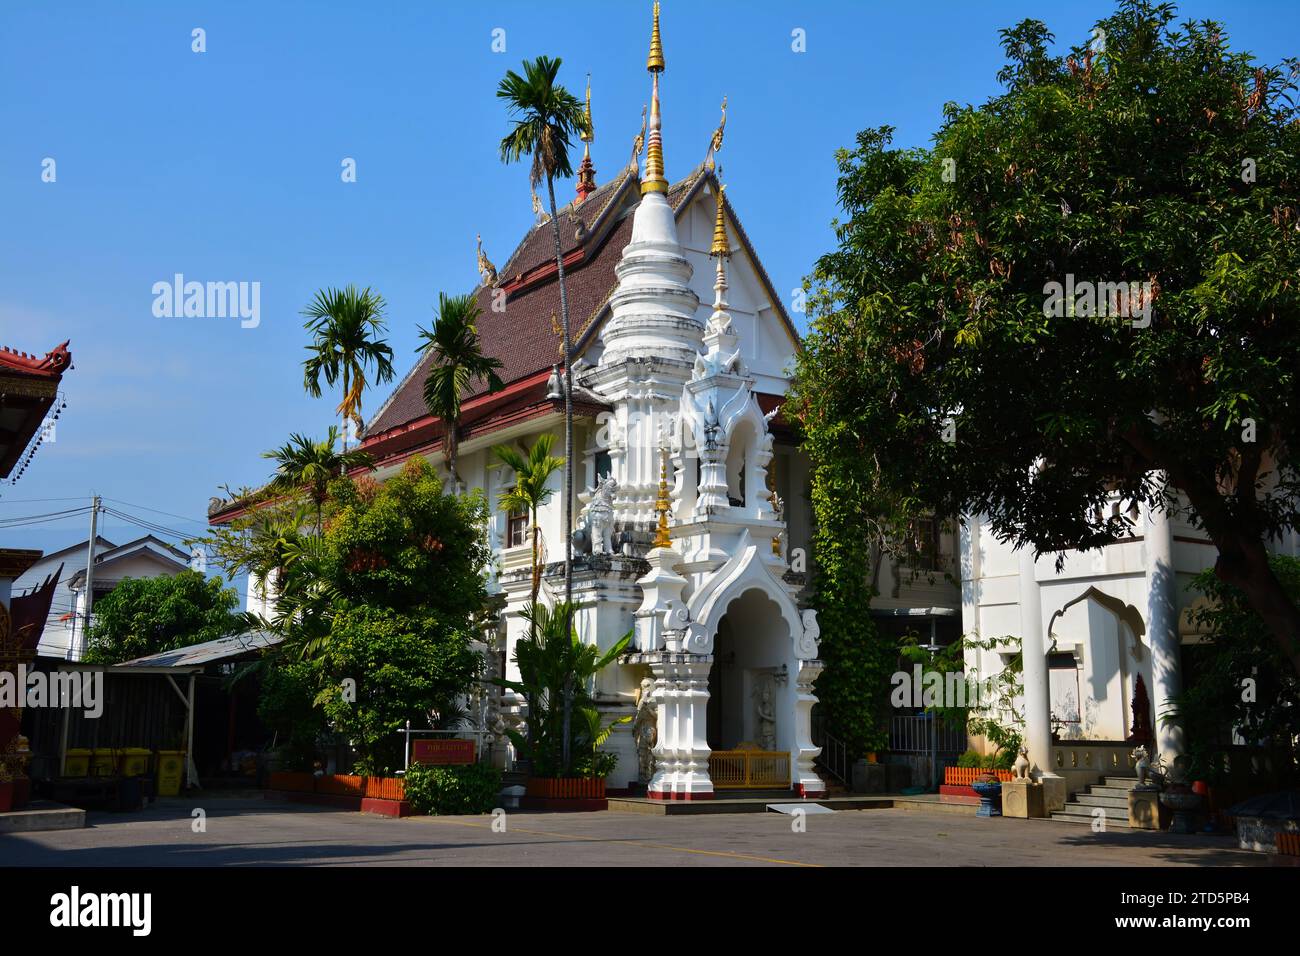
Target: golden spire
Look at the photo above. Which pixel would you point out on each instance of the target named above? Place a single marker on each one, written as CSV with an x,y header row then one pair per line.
x,y
655,61
720,246
654,181
588,134
586,172
663,505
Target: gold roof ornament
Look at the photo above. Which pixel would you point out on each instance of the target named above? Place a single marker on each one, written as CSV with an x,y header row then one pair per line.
x,y
486,270
720,248
715,142
588,134
655,61
638,144
586,171
654,180
663,507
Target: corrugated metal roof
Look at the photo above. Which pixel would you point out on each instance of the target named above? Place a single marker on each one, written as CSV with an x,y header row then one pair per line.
x,y
209,651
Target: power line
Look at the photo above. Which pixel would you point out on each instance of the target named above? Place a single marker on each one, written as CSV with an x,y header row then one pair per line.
x,y
156,511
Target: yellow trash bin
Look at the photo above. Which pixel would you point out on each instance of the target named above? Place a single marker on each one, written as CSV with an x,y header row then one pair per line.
x,y
77,763
135,761
103,762
171,768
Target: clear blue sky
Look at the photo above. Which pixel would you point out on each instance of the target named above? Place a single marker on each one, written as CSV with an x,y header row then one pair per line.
x,y
225,166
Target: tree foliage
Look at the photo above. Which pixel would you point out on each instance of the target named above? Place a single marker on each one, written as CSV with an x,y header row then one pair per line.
x,y
938,376
143,616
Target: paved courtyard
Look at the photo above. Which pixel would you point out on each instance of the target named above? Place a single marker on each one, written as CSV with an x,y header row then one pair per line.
x,y
255,832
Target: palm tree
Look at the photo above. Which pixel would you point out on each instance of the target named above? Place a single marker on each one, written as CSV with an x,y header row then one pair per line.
x,y
345,323
531,490
458,360
304,465
546,116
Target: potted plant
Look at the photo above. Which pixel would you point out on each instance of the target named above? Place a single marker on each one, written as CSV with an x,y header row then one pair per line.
x,y
551,653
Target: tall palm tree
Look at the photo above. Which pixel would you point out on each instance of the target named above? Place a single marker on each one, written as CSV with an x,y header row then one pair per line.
x,y
546,116
345,324
458,360
303,465
531,491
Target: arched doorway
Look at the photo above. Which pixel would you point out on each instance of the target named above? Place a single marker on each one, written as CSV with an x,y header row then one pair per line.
x,y
751,703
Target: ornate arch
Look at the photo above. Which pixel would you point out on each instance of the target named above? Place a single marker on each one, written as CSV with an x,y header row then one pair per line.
x,y
746,571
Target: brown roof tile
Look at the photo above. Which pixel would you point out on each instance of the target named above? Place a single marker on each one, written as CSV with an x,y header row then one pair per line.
x,y
523,336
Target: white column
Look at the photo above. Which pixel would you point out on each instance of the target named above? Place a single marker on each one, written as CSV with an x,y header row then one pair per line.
x,y
1162,628
1038,702
682,753
805,780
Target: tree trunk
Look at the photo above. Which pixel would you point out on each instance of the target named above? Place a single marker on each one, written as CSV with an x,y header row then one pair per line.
x,y
1243,559
452,446
568,461
1245,566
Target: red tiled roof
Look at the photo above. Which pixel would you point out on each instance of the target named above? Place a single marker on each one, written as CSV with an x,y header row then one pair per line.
x,y
51,366
523,336
28,388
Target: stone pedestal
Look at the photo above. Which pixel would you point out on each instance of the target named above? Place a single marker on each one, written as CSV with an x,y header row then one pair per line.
x,y
1054,791
1024,799
1145,811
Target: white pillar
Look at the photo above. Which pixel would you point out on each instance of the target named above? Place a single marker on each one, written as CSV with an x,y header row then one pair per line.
x,y
1162,628
1038,702
682,753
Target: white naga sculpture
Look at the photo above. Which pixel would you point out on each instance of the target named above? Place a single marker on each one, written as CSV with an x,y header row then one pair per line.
x,y
597,518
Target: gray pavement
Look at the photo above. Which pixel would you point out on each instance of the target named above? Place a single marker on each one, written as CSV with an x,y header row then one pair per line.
x,y
257,832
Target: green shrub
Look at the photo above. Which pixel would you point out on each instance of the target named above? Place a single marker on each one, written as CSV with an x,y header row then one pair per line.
x,y
1002,760
441,791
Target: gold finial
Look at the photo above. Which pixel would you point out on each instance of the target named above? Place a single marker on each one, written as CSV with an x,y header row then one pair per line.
x,y
720,246
638,144
654,181
655,61
588,134
663,506
715,142
486,270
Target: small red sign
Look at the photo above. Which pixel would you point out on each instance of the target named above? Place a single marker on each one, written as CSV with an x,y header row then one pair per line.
x,y
443,752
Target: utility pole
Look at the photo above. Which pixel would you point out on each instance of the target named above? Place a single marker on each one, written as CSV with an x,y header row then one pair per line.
x,y
77,651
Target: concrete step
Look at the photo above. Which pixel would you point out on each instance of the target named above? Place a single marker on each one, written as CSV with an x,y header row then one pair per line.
x,y
1125,783
1078,813
1120,792
1095,799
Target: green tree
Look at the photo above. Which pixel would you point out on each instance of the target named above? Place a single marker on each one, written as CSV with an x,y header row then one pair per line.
x,y
531,491
546,116
557,673
1239,680
305,466
457,360
945,371
398,581
345,324
143,616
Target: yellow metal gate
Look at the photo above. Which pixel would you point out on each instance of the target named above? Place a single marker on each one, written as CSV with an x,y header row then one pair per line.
x,y
736,769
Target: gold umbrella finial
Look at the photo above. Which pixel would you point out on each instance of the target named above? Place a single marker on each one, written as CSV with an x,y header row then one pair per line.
x,y
720,248
655,181
655,61
663,507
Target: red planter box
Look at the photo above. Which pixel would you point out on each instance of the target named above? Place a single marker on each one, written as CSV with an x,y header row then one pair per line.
x,y
566,788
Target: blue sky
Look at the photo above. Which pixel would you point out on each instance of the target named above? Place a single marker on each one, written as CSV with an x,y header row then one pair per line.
x,y
225,166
